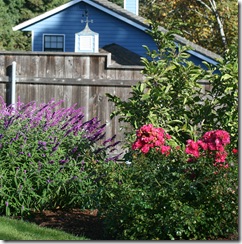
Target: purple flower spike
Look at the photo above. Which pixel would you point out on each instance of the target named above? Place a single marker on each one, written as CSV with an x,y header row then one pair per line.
x,y
42,143
63,161
109,140
55,147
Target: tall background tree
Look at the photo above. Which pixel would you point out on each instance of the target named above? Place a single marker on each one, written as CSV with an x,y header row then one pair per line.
x,y
13,12
209,23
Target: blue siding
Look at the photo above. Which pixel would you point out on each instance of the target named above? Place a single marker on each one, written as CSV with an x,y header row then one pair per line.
x,y
110,29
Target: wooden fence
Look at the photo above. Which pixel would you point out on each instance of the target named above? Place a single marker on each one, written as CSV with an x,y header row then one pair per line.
x,y
81,79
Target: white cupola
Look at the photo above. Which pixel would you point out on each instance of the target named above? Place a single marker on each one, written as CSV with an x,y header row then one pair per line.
x,y
87,40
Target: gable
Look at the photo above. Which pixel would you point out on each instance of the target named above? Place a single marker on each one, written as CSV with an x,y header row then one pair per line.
x,y
110,29
113,24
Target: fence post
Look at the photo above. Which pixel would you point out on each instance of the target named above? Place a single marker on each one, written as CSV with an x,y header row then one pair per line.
x,y
13,83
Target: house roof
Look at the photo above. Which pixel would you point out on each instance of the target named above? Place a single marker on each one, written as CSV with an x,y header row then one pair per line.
x,y
121,55
128,17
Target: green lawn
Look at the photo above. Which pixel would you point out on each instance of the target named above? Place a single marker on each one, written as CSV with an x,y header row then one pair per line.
x,y
12,229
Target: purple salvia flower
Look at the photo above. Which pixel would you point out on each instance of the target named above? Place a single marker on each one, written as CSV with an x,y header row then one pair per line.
x,y
63,161
114,149
114,158
100,150
6,203
25,106
55,147
113,145
42,143
15,138
94,137
53,114
7,122
68,132
19,103
64,126
109,140
41,109
47,114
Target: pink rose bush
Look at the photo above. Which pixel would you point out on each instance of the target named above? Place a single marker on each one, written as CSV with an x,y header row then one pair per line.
x,y
212,144
150,137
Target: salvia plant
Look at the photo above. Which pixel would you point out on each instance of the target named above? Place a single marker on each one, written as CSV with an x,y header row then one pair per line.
x,y
48,155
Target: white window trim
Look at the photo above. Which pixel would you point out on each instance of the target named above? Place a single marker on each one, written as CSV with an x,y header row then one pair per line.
x,y
53,34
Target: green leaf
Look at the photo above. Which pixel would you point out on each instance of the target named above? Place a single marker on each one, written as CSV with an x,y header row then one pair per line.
x,y
226,77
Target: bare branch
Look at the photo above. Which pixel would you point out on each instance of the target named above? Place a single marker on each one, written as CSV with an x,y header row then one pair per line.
x,y
204,4
214,10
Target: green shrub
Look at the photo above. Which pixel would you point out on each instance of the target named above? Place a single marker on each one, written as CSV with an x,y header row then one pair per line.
x,y
190,193
167,196
48,156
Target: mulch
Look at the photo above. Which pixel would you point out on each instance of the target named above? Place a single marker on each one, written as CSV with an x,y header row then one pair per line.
x,y
80,223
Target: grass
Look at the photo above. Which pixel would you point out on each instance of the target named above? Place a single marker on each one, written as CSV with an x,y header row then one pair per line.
x,y
12,229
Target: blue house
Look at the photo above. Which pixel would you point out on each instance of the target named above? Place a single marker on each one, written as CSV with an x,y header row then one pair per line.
x,y
92,25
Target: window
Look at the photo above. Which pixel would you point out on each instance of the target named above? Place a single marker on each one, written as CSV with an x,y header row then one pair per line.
x,y
54,43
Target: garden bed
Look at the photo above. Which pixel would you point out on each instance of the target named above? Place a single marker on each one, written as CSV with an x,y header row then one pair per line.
x,y
80,223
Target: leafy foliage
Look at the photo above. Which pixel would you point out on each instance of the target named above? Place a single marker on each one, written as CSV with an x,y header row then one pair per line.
x,y
47,158
168,197
169,96
221,104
